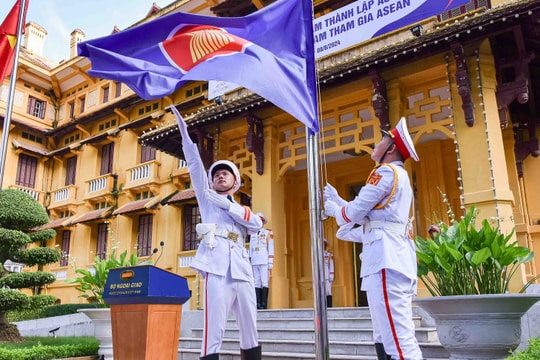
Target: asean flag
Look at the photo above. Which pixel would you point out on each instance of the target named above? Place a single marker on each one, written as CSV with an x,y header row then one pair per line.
x,y
269,52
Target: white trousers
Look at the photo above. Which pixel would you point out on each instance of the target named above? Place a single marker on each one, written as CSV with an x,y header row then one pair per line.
x,y
328,287
390,296
260,274
222,294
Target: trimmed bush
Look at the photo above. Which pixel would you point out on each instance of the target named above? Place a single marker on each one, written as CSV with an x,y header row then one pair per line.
x,y
532,352
49,348
48,311
66,309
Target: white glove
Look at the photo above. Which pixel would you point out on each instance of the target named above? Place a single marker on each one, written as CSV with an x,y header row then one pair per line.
x,y
331,208
270,266
349,232
218,200
330,193
182,126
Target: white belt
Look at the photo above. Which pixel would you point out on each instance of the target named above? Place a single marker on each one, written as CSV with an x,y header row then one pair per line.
x,y
231,235
387,225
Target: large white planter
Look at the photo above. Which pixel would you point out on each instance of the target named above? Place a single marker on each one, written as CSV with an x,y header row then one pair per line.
x,y
478,326
101,318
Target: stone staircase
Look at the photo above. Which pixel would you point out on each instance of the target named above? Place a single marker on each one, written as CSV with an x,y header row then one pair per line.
x,y
288,334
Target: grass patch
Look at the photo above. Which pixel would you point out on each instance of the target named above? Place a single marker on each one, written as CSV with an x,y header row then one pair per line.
x,y
44,348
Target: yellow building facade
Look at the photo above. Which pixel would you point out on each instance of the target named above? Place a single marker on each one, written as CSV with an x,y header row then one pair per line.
x,y
108,165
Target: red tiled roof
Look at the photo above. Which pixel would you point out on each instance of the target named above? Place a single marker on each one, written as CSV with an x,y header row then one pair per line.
x,y
29,147
181,196
133,206
53,224
91,216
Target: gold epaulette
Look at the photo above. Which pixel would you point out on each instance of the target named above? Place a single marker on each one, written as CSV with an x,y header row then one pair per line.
x,y
394,187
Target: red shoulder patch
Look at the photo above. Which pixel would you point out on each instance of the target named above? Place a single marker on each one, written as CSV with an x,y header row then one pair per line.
x,y
374,179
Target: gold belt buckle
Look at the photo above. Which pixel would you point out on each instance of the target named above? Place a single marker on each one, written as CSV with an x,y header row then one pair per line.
x,y
232,236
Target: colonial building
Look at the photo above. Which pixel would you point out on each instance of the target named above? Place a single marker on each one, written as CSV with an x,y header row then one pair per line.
x,y
109,168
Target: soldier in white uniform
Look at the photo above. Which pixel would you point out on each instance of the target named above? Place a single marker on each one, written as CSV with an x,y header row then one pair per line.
x,y
222,258
389,270
261,253
328,273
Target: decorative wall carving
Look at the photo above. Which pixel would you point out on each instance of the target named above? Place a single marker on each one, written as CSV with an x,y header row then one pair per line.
x,y
380,102
255,141
463,82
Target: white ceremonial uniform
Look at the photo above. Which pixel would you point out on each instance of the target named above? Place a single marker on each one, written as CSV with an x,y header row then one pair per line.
x,y
261,253
328,271
388,270
225,265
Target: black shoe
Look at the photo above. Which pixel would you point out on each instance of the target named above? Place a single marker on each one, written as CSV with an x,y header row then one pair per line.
x,y
258,295
381,353
264,298
210,357
251,354
329,301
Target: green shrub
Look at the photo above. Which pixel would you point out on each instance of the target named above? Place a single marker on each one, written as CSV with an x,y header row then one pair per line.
x,y
40,301
66,309
532,352
11,300
23,315
48,311
46,348
33,308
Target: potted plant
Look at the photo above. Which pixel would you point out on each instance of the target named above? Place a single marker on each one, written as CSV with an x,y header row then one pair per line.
x,y
468,271
91,282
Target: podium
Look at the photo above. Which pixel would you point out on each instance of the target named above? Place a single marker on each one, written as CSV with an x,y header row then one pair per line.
x,y
146,310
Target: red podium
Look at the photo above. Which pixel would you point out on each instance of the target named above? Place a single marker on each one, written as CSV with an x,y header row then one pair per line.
x,y
146,310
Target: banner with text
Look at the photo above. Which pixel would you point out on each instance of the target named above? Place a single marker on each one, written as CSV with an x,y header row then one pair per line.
x,y
363,20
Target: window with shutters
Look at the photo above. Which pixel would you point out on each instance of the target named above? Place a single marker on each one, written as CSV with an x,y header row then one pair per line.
x,y
192,217
82,104
36,107
71,109
107,155
66,237
144,240
71,169
117,89
105,94
26,171
102,238
147,153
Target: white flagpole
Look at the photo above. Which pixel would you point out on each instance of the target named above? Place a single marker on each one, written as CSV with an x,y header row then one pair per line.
x,y
12,81
322,351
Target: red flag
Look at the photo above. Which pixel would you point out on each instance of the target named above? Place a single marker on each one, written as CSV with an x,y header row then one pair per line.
x,y
8,39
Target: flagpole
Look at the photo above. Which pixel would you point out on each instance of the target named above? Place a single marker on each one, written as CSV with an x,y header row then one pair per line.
x,y
11,94
322,351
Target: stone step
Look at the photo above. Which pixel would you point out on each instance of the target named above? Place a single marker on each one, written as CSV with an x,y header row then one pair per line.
x,y
235,355
363,348
289,334
308,323
355,352
427,334
335,312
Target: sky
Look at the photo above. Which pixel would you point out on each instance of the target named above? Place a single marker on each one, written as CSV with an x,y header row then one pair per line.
x,y
96,18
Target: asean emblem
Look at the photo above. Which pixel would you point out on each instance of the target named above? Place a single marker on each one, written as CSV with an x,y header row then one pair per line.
x,y
191,45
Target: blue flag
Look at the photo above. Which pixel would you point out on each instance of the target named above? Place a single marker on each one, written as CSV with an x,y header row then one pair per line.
x,y
269,52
